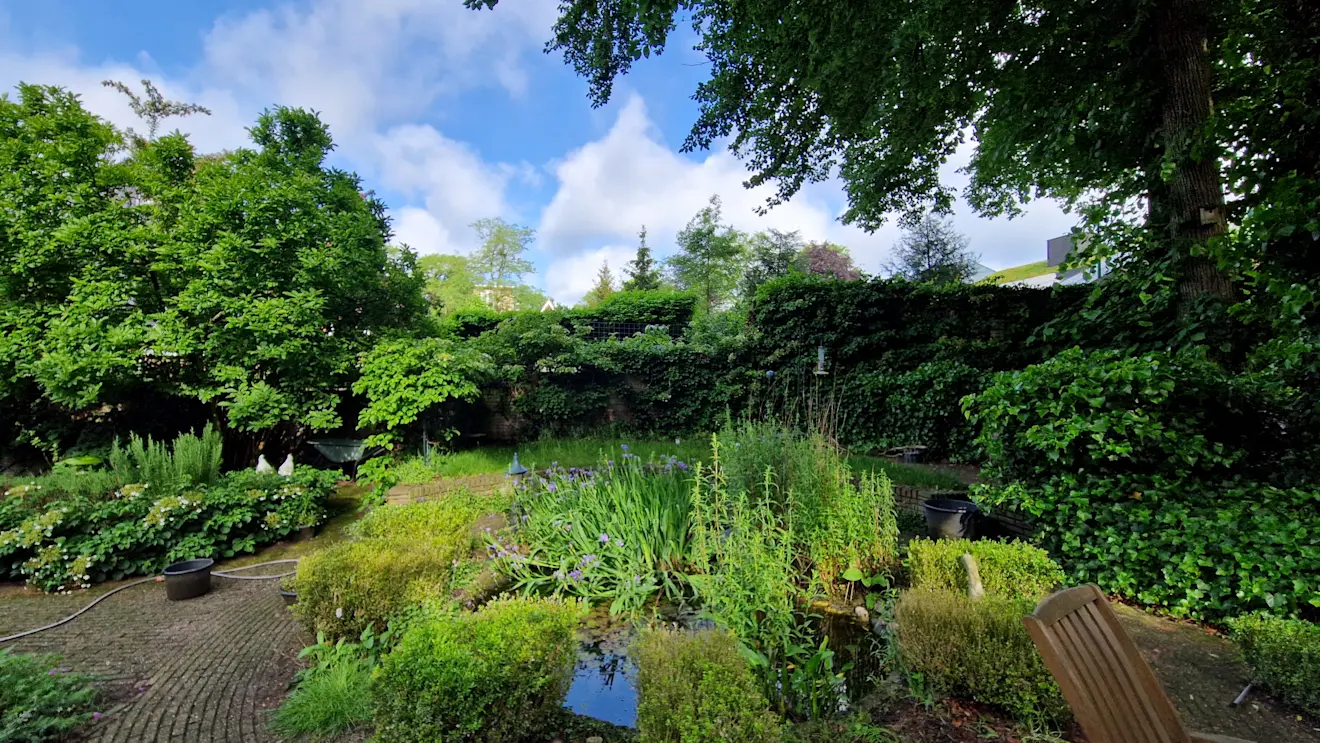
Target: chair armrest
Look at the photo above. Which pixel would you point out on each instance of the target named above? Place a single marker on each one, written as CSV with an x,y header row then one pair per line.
x,y
1208,738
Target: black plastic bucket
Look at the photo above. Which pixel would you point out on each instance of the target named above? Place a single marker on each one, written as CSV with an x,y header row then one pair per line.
x,y
951,519
188,579
290,597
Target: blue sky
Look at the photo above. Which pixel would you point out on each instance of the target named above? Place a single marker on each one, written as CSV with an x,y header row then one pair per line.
x,y
452,115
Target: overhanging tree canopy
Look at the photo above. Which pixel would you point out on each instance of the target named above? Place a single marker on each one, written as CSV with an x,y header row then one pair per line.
x,y
1064,98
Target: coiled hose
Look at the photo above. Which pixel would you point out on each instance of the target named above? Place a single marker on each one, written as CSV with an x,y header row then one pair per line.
x,y
220,573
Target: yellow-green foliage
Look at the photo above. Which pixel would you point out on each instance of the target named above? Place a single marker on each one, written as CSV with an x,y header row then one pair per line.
x,y
1008,569
1284,655
976,649
498,675
695,687
401,556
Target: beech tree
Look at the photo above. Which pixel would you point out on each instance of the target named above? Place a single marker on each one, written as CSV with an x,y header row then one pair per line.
x,y
1061,99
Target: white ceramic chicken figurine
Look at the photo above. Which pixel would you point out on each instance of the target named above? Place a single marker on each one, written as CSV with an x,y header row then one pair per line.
x,y
263,467
286,469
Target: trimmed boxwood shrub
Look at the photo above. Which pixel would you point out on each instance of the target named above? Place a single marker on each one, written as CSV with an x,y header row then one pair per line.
x,y
976,649
498,675
1015,570
696,687
401,556
1284,655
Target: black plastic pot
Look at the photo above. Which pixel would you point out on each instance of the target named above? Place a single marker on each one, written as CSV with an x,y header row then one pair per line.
x,y
188,579
951,519
290,597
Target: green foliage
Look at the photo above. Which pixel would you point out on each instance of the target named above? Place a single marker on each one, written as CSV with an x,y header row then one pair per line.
x,y
404,379
976,649
933,251
709,258
696,688
643,276
140,528
192,460
39,701
542,454
603,288
918,407
1014,570
619,533
772,255
333,702
499,259
451,283
1139,472
496,675
1284,655
401,556
183,291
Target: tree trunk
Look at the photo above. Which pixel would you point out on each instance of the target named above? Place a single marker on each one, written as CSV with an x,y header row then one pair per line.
x,y
1194,198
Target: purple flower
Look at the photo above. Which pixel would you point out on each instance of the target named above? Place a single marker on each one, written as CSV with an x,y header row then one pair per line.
x,y
624,446
588,560
683,466
575,575
551,487
604,538
96,715
769,372
52,672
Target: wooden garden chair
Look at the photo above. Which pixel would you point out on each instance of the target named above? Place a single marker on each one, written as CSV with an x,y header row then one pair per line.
x,y
1112,690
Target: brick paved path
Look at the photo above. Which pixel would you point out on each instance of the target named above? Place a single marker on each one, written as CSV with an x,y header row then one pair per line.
x,y
195,671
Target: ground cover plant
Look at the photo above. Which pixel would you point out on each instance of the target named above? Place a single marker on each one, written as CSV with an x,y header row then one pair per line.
x,y
496,675
53,538
331,697
1014,570
40,701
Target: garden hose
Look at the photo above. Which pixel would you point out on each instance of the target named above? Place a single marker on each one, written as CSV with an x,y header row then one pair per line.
x,y
140,581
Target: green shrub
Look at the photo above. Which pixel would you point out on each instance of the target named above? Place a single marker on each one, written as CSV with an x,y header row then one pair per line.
x,y
191,461
980,650
1284,655
447,519
695,687
1200,550
1008,569
139,529
496,676
334,701
1137,474
39,701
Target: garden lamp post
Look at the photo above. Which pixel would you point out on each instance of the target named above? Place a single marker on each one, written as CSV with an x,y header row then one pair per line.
x,y
516,470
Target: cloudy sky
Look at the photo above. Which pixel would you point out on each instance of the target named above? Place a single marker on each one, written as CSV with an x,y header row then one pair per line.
x,y
452,115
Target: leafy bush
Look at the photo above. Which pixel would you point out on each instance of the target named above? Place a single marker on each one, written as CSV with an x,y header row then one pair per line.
x,y
139,529
619,533
1014,570
976,649
1204,551
495,676
39,701
191,461
404,555
1284,655
920,406
696,688
1135,471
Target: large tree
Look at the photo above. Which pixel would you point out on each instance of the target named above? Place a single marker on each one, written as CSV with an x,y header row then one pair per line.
x,y
248,282
500,257
603,287
771,254
1061,98
450,283
642,272
824,258
709,258
933,251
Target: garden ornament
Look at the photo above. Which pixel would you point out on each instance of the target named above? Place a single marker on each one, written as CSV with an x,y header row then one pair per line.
x,y
263,467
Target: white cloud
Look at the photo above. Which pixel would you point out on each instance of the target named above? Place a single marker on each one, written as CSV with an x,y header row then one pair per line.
x,y
365,63
608,188
450,178
568,279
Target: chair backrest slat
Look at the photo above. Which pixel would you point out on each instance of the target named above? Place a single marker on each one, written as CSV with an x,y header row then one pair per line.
x,y
1110,687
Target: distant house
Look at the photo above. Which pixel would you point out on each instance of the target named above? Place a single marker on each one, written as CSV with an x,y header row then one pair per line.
x,y
1046,273
979,271
549,305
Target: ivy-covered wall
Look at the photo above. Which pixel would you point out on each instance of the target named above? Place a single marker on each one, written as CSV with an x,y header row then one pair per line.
x,y
901,357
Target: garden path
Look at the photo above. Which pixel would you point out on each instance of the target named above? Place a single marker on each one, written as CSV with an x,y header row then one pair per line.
x,y
198,671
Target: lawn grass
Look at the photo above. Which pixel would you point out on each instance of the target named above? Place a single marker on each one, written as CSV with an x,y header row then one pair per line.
x,y
1017,273
907,474
587,452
